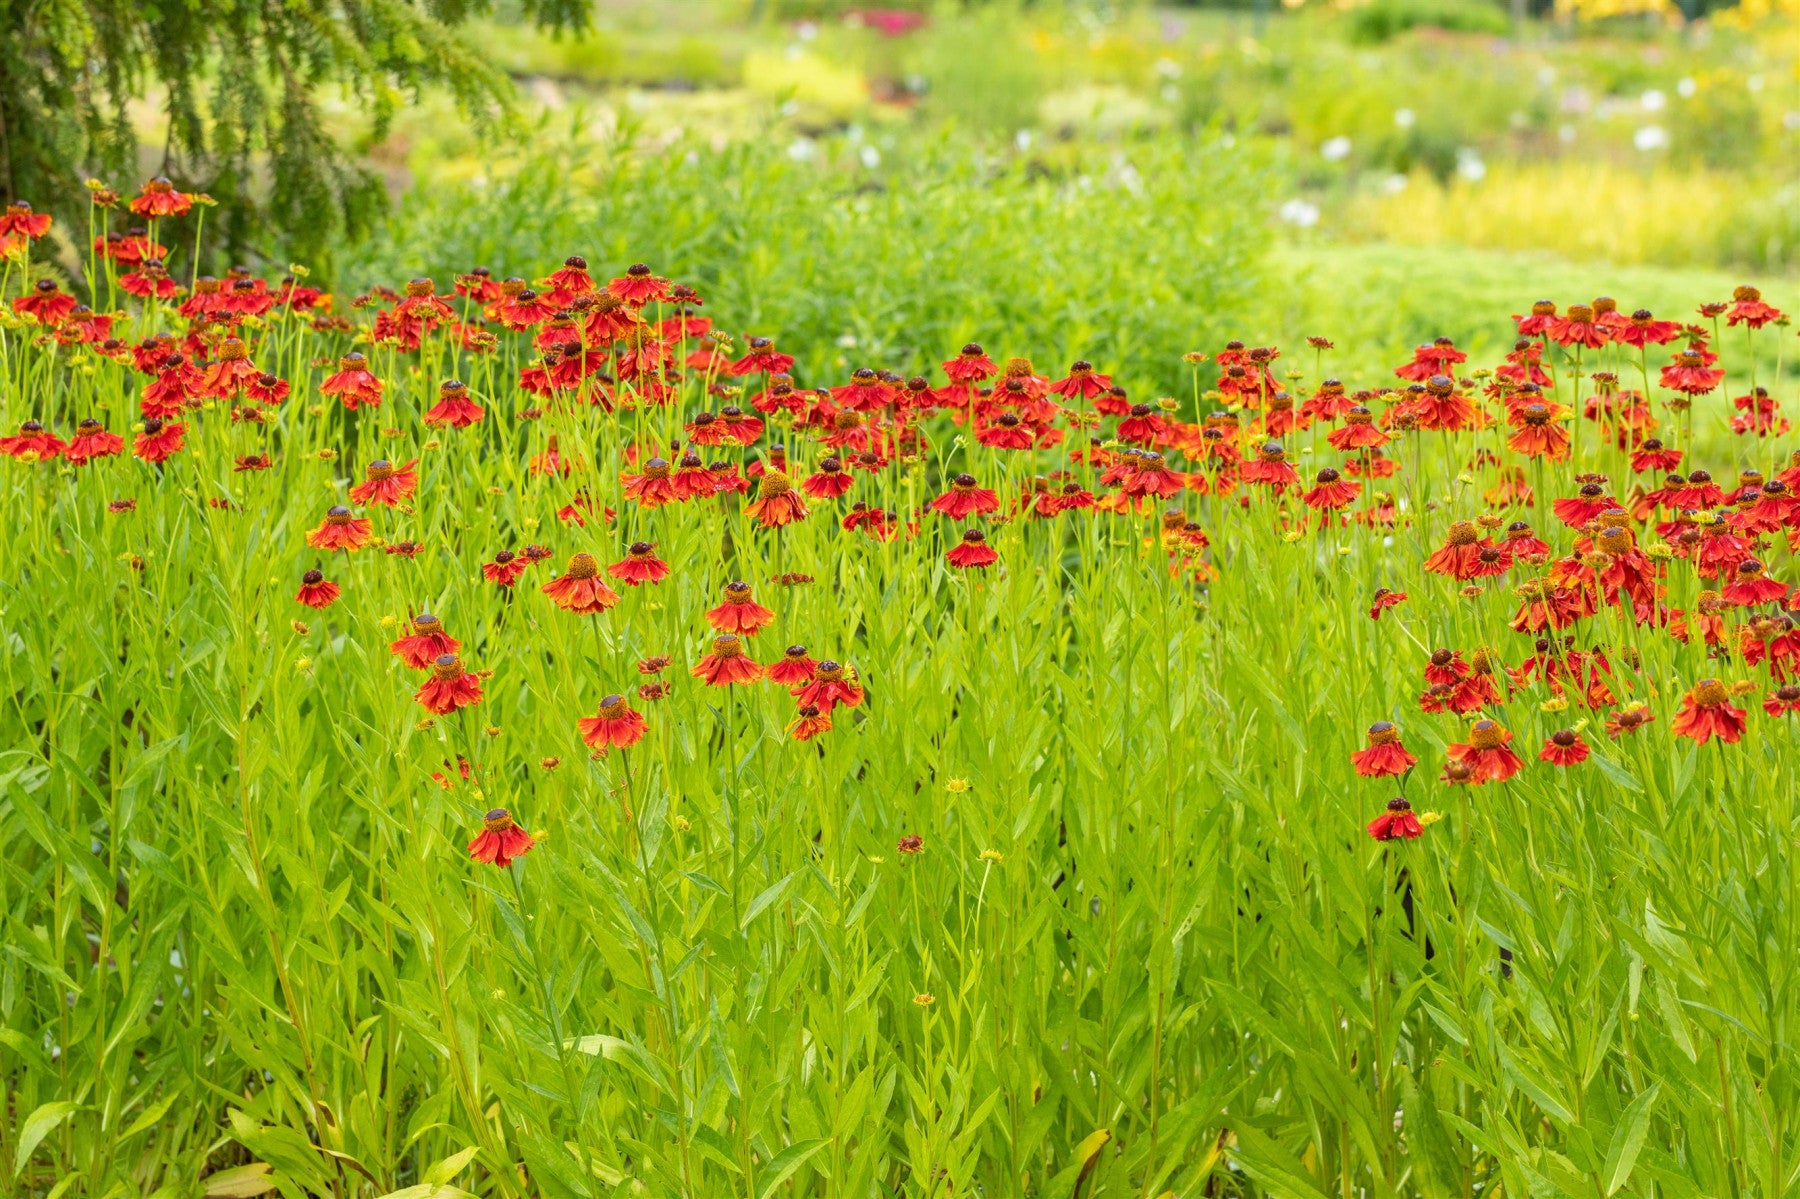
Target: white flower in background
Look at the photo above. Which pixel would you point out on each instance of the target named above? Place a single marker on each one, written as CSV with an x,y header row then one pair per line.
x,y
1022,139
1754,83
1566,134
871,157
1686,88
1335,150
1406,118
1303,213
1653,101
801,149
1651,137
1394,184
1470,166
1790,120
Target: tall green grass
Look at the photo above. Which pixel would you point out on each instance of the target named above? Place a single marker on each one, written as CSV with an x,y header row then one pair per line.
x,y
1134,255
1148,946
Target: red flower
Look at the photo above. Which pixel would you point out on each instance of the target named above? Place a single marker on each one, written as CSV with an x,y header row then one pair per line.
x,y
763,359
579,589
1385,754
637,286
1487,754
1565,748
830,481
1578,328
775,504
159,199
1464,554
1748,308
654,487
794,667
727,664
1643,329
1543,316
972,365
1539,434
315,592
965,499
425,644
1749,586
1081,382
385,484
1331,493
340,530
92,441
46,303
1385,598
505,569
501,840
1397,823
616,725
1270,467
19,221
353,383
974,551
450,687
1689,374
830,686
640,565
1358,432
267,389
739,613
1707,712
232,373
454,407
1784,701
149,281
159,441
810,723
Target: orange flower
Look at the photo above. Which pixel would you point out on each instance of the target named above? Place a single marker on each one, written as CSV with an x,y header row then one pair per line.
x,y
776,503
501,839
1707,712
1486,753
614,725
727,664
579,589
386,484
340,531
1385,754
450,687
739,613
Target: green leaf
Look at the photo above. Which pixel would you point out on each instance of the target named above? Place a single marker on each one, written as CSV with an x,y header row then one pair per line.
x,y
427,1190
1628,1139
37,1126
761,902
240,1182
781,1167
450,1167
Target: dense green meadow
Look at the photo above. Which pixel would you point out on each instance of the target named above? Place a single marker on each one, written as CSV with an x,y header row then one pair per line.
x,y
1185,733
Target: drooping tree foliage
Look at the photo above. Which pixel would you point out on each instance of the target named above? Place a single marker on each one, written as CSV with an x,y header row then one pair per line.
x,y
236,85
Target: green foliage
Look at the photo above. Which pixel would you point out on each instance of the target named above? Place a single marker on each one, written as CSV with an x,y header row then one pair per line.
x,y
239,87
1130,257
1383,20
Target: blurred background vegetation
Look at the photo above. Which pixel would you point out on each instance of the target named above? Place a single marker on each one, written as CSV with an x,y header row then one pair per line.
x,y
1122,180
